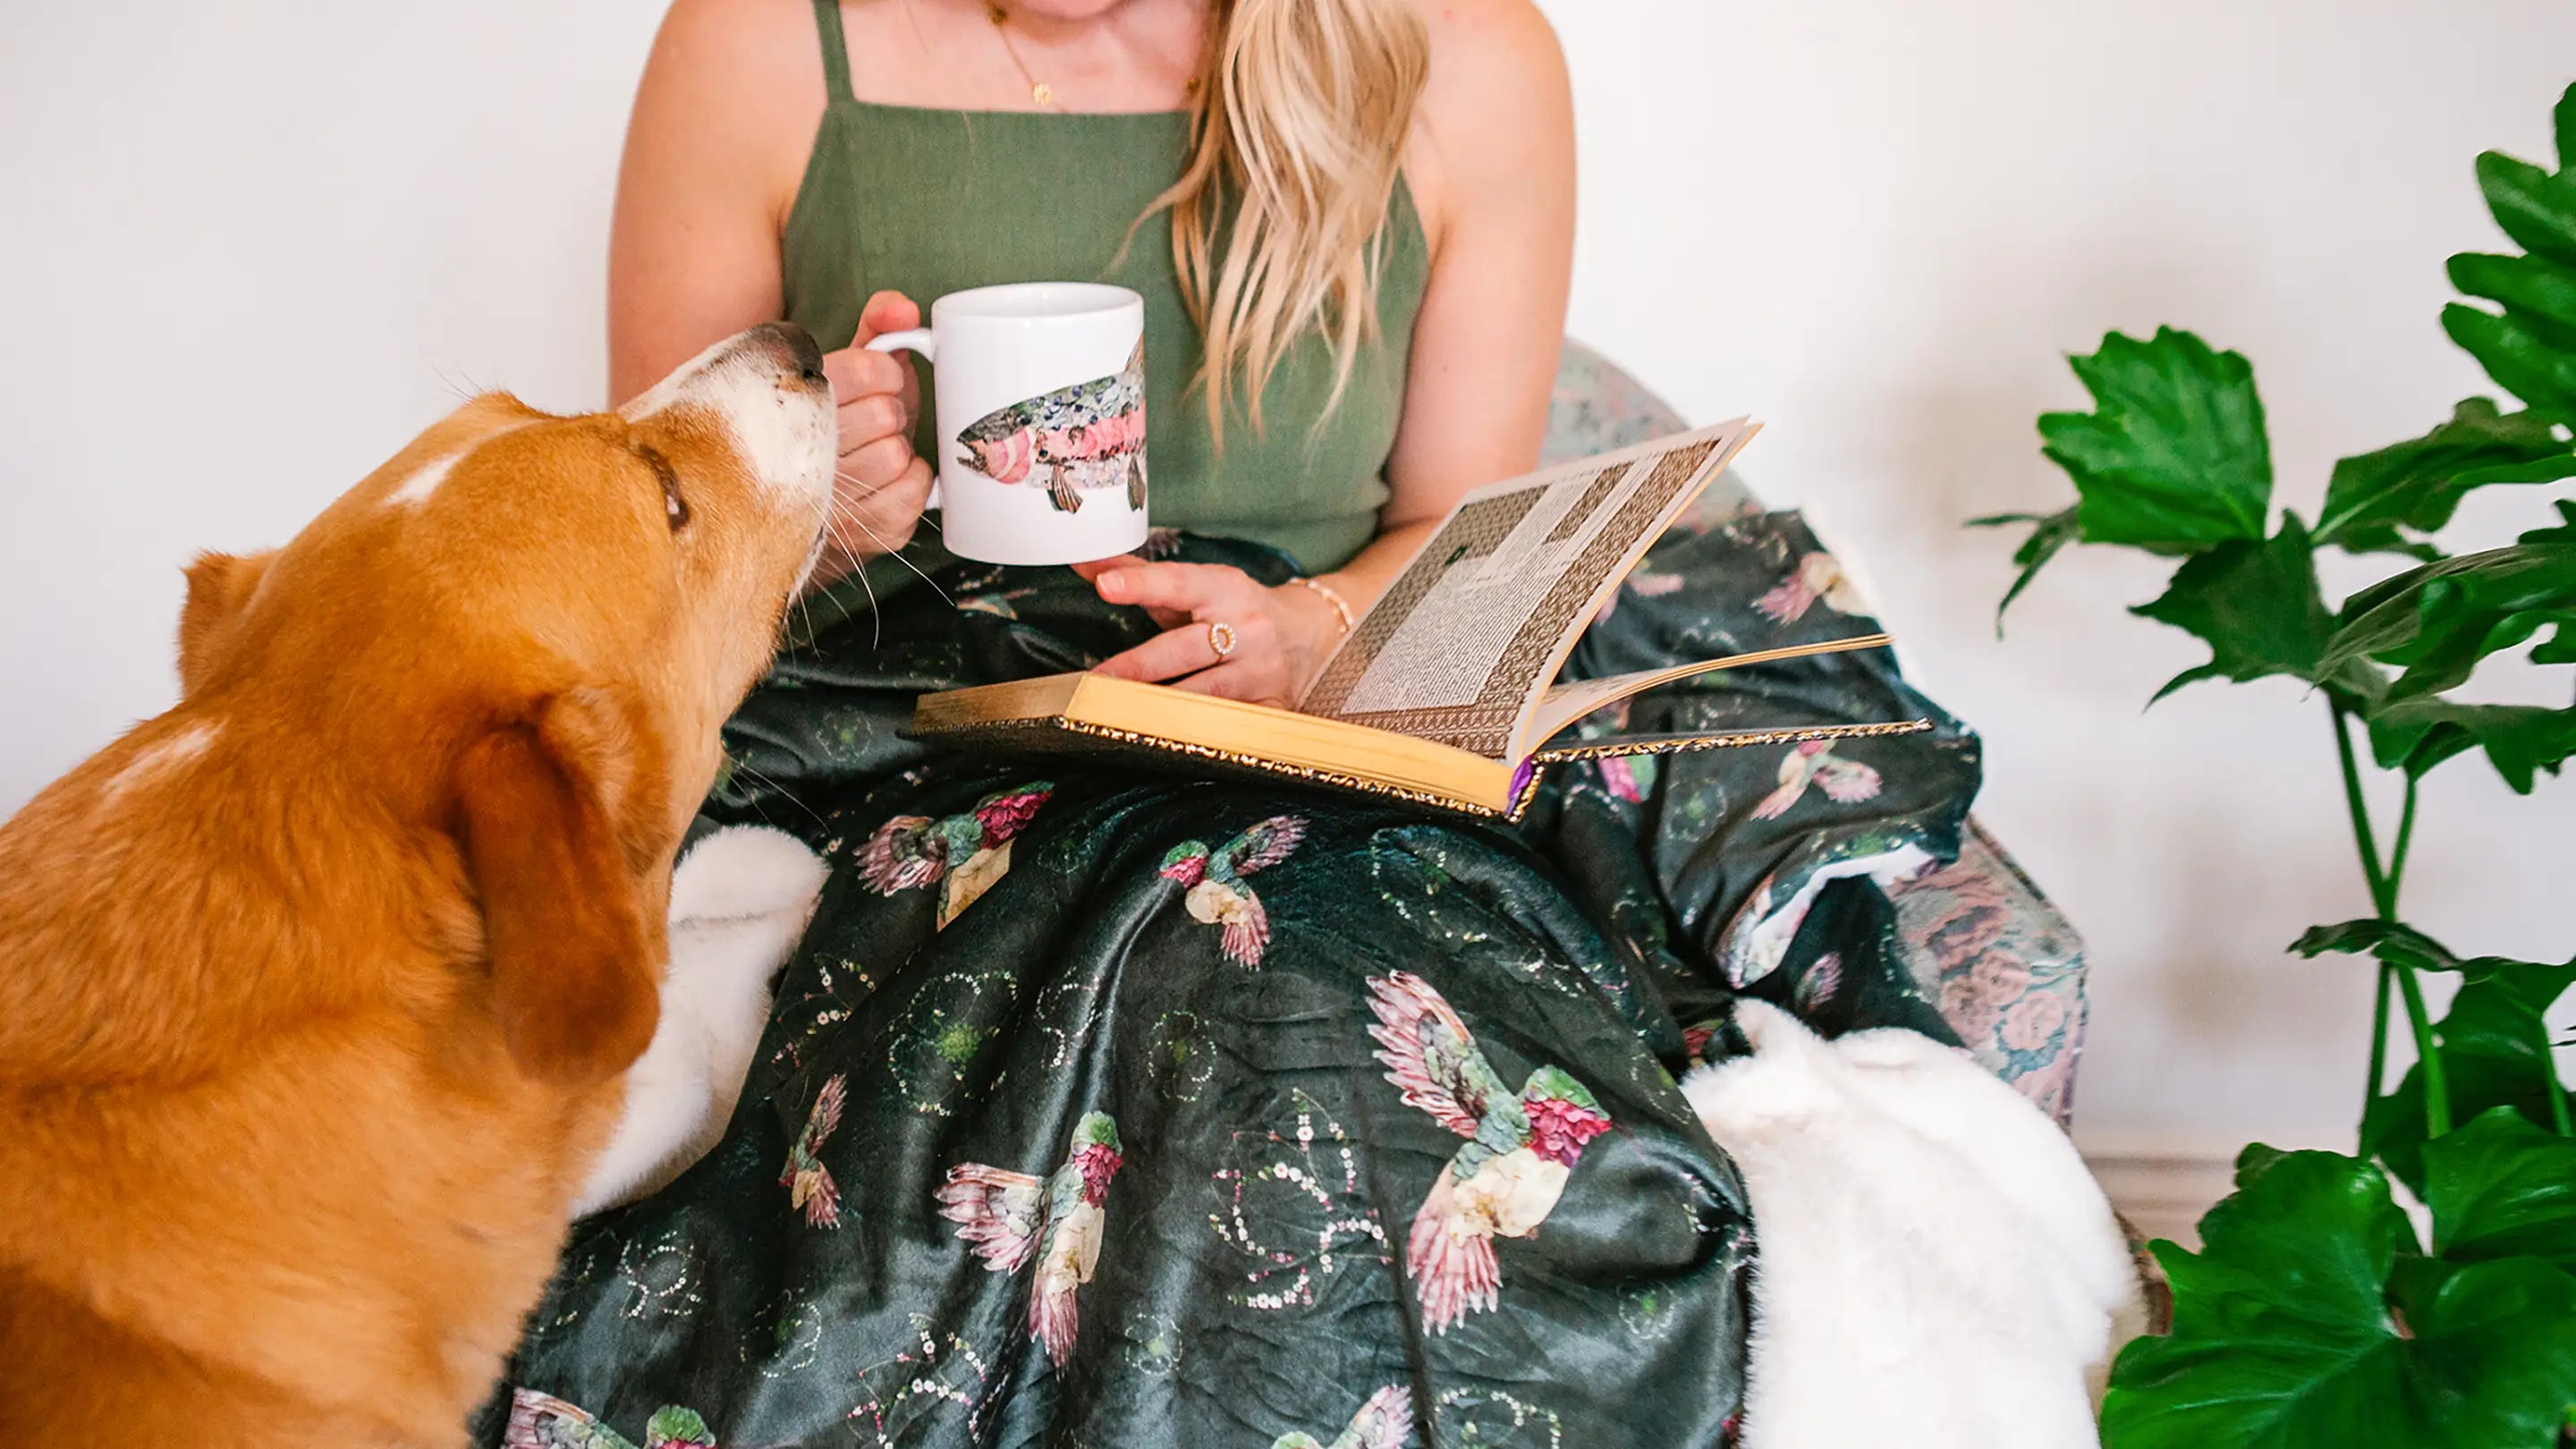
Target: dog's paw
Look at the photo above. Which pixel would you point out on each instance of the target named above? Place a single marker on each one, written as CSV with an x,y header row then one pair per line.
x,y
746,872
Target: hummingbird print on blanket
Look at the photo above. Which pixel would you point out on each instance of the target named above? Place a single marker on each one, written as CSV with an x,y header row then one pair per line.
x,y
1520,1149
1085,438
1274,1234
1011,1217
963,854
1217,893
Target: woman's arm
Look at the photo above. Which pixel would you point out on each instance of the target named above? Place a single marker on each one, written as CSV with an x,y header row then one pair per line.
x,y
710,168
1491,168
1496,154
724,120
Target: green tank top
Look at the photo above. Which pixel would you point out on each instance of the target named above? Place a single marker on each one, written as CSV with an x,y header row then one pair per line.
x,y
928,202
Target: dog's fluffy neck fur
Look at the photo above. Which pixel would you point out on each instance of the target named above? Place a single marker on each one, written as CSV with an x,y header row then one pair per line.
x,y
132,845
125,837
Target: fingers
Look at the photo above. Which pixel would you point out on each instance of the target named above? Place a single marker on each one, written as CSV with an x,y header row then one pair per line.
x,y
886,312
1092,570
1180,587
1169,655
871,520
865,419
856,373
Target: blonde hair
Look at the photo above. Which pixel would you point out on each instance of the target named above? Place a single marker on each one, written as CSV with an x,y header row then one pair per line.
x,y
1298,125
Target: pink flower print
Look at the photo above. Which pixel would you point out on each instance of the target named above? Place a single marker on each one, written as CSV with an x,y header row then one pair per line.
x,y
1558,1129
1097,1163
1002,816
1973,1001
2034,1021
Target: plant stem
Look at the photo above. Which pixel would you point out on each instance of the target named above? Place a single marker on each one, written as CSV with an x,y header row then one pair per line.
x,y
2378,1041
2363,839
2397,857
2437,1086
2383,899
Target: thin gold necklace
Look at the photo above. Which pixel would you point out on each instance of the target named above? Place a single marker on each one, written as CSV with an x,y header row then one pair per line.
x,y
1039,91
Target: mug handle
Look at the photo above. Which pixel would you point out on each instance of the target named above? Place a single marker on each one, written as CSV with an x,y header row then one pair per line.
x,y
923,341
919,339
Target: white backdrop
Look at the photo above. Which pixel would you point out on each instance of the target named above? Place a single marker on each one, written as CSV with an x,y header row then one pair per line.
x,y
245,255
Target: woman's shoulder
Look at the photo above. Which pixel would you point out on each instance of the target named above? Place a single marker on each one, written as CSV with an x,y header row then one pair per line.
x,y
1498,98
743,82
1501,40
741,43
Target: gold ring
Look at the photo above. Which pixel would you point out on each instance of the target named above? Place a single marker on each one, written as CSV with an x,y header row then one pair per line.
x,y
1221,638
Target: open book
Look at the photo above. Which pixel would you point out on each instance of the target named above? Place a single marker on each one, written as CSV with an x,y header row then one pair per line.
x,y
1443,693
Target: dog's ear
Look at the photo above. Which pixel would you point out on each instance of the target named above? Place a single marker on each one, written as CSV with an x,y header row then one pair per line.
x,y
219,584
575,954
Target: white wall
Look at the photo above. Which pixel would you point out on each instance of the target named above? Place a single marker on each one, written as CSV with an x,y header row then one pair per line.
x,y
243,256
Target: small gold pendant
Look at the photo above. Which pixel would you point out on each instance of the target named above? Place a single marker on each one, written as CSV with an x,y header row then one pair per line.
x,y
1042,93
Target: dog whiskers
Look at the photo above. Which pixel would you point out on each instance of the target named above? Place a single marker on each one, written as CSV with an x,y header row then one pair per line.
x,y
743,767
841,515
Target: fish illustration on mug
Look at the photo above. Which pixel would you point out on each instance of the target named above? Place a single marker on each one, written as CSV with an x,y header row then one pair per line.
x,y
1075,440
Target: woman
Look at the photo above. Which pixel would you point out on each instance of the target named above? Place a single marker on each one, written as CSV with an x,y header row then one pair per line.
x,y
1101,1108
1442,167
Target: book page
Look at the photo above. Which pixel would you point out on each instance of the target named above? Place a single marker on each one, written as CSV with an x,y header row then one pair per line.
x,y
1566,703
1460,646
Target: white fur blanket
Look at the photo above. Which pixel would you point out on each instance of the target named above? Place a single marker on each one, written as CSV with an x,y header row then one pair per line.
x,y
1937,1267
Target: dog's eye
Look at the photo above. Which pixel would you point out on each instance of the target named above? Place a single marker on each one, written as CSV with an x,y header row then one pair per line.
x,y
674,507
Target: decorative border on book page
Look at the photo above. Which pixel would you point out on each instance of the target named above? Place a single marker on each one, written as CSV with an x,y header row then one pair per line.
x,y
1480,529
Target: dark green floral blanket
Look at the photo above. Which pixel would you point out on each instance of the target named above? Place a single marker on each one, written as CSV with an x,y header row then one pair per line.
x,y
1108,1109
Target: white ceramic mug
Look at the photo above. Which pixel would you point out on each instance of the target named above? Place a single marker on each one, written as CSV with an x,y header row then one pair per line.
x,y
1040,403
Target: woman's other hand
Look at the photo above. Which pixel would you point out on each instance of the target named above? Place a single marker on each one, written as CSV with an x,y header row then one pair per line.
x,y
1281,636
881,484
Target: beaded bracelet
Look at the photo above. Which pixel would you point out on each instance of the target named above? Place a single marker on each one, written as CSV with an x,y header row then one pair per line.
x,y
1341,606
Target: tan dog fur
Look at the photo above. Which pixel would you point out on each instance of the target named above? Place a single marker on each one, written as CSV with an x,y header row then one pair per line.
x,y
316,990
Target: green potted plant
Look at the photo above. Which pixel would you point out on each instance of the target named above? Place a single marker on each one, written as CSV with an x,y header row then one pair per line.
x,y
2315,1313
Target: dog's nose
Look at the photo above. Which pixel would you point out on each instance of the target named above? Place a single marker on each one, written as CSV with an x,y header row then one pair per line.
x,y
791,344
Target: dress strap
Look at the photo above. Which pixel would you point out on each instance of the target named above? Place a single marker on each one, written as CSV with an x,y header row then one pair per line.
x,y
836,50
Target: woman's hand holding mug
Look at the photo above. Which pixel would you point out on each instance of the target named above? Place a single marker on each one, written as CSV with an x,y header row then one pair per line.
x,y
881,484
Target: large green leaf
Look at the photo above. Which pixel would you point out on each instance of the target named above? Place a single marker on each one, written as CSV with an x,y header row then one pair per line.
x,y
2502,1188
2522,357
2173,458
2535,206
2491,1042
2051,532
2254,603
2565,116
2529,347
2418,484
2283,1337
2521,740
2439,620
2539,288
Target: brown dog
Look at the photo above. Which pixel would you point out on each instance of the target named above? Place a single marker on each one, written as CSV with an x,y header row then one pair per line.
x,y
316,991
